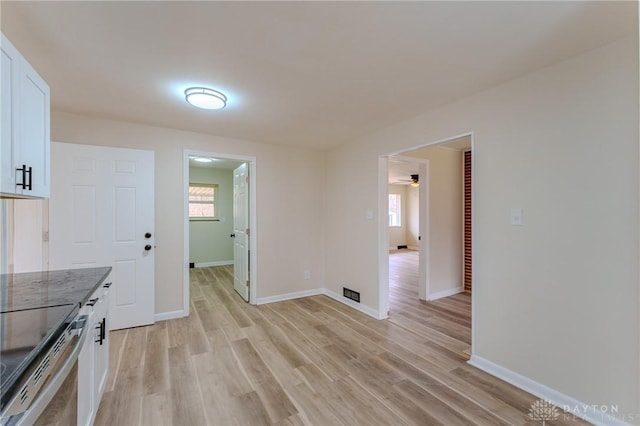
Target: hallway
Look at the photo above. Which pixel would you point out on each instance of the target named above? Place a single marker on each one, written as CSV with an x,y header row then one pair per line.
x,y
447,320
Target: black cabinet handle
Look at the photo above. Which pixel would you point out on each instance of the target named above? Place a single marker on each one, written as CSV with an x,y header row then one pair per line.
x,y
147,235
24,177
92,302
103,330
102,326
232,235
147,247
30,178
26,171
107,285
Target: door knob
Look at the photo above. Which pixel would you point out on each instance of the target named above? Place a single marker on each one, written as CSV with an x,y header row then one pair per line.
x,y
147,247
147,235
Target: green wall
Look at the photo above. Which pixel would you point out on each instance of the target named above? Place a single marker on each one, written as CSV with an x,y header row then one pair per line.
x,y
209,241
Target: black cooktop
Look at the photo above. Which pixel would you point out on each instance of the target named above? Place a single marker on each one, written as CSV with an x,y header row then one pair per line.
x,y
24,335
35,309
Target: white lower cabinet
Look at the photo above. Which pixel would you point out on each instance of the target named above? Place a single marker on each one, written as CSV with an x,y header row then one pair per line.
x,y
93,362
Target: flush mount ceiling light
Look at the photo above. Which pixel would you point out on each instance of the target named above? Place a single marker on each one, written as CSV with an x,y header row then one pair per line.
x,y
202,159
202,97
414,181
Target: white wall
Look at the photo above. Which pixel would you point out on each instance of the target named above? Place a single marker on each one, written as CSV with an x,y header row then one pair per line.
x,y
290,201
413,217
555,300
209,241
398,234
23,223
445,218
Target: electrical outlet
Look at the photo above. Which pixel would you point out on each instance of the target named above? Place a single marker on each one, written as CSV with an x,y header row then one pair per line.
x,y
307,274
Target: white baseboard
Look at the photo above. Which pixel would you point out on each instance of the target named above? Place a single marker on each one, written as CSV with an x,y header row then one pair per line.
x,y
289,296
445,293
316,291
163,316
207,264
355,305
568,405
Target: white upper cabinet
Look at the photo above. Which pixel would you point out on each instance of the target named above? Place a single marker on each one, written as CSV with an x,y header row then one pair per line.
x,y
24,129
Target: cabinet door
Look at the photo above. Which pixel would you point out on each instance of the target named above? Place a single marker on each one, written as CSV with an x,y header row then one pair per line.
x,y
9,74
101,356
34,116
24,126
85,378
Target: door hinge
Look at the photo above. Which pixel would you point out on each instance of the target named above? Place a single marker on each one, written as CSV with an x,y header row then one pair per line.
x,y
45,236
248,232
247,283
246,179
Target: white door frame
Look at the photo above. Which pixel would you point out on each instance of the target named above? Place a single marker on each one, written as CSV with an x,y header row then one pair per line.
x,y
253,245
383,227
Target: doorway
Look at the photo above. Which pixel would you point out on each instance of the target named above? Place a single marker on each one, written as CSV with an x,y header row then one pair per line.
x,y
406,251
443,262
219,217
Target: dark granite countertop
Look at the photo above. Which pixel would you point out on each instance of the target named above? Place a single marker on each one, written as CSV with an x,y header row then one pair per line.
x,y
33,290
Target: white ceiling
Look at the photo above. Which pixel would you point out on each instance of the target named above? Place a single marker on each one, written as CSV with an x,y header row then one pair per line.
x,y
302,73
400,171
400,168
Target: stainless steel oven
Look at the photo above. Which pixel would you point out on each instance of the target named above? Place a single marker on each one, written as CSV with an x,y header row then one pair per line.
x,y
47,392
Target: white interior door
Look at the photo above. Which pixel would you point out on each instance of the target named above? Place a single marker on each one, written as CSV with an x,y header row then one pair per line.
x,y
241,231
101,213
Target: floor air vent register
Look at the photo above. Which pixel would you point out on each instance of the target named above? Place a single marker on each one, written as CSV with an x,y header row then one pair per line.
x,y
350,294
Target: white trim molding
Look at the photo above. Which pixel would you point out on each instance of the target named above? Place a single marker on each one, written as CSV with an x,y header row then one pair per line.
x,y
568,405
253,221
289,296
445,293
355,305
208,264
318,291
163,316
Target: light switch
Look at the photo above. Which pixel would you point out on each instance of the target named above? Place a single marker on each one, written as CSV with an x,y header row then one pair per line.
x,y
516,217
369,214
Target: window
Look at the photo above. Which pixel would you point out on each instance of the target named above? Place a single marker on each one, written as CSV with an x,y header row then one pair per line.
x,y
395,210
202,201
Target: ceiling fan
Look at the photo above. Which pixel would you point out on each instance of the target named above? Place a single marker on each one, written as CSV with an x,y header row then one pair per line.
x,y
414,181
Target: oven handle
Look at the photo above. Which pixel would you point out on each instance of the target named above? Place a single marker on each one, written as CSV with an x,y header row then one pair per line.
x,y
48,392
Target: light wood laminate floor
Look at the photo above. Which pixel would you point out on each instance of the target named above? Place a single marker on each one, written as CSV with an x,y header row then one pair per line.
x,y
308,361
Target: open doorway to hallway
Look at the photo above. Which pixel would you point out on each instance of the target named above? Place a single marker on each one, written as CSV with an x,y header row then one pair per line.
x,y
219,216
429,232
